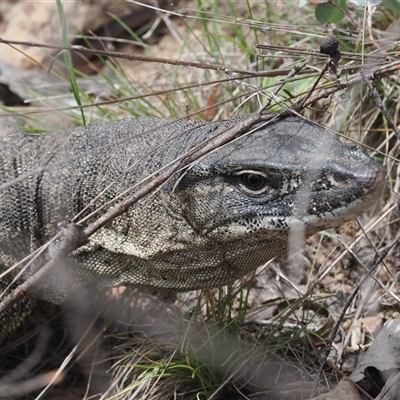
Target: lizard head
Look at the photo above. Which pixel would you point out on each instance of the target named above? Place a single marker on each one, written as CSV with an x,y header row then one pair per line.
x,y
288,175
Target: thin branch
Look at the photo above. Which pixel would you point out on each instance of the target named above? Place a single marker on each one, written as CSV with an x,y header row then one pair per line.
x,y
379,104
138,57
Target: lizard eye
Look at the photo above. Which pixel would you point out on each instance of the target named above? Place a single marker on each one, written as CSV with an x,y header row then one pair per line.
x,y
254,182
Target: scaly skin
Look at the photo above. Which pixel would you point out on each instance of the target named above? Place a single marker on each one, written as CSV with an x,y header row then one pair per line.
x,y
215,222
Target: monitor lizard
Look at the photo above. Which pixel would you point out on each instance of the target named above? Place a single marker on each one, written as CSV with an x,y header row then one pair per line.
x,y
210,224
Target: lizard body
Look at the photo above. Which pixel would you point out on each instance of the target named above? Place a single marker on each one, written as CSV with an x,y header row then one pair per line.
x,y
213,223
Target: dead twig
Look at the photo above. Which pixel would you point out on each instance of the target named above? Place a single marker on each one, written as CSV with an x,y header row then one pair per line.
x,y
379,103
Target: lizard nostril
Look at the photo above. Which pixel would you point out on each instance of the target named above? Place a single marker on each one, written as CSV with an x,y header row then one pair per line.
x,y
376,181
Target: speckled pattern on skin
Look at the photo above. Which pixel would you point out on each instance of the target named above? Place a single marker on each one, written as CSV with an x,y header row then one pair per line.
x,y
213,223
